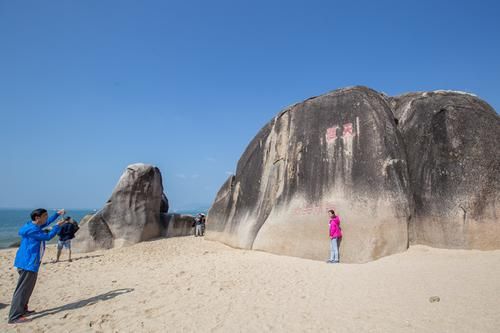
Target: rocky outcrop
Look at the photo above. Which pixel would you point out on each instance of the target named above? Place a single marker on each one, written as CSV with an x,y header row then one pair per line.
x,y
452,142
341,150
131,215
354,150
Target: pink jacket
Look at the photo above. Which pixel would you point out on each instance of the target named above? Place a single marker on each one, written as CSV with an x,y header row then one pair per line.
x,y
335,231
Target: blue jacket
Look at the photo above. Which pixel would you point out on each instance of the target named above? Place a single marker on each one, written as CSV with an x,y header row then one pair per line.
x,y
30,252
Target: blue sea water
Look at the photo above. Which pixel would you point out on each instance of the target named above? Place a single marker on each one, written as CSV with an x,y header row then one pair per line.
x,y
12,219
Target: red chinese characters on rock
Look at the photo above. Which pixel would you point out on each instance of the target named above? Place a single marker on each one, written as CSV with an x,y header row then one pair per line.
x,y
347,129
331,133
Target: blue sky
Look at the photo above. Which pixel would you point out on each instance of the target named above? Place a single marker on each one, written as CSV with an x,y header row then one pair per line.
x,y
88,87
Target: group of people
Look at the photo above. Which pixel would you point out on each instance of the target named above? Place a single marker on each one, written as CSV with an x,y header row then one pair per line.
x,y
30,253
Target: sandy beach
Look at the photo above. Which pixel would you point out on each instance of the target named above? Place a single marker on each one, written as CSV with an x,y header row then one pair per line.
x,y
189,284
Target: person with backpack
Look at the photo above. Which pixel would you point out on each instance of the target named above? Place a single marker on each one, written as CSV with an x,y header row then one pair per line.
x,y
335,237
66,234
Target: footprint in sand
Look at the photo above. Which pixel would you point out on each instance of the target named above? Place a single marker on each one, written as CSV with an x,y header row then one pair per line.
x,y
149,312
103,320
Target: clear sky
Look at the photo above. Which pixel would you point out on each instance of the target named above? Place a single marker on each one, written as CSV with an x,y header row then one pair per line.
x,y
90,86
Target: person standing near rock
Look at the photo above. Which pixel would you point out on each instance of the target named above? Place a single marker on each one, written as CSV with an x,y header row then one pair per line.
x,y
28,259
198,225
66,234
203,221
335,236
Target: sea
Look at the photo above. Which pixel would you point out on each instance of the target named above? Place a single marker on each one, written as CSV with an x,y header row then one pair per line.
x,y
12,219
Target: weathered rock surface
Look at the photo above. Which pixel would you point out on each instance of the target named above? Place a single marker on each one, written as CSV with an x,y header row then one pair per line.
x,y
85,220
164,204
453,145
131,215
341,150
177,225
380,163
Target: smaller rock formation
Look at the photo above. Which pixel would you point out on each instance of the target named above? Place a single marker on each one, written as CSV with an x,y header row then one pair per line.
x,y
177,225
131,215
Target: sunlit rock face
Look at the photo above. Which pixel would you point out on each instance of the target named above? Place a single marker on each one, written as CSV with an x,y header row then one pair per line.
x,y
131,215
341,151
453,144
420,168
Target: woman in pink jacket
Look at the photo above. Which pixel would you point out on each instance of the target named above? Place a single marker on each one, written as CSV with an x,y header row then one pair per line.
x,y
335,236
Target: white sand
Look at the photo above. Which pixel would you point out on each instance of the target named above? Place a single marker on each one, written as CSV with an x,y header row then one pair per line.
x,y
188,284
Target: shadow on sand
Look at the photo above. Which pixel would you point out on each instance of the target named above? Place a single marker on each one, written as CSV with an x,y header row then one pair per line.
x,y
3,305
73,259
80,304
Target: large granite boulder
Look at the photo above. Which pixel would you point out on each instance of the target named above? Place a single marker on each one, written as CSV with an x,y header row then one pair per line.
x,y
421,168
131,215
341,150
453,144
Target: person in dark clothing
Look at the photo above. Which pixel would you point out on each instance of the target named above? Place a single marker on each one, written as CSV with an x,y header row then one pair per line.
x,y
203,220
66,234
199,224
28,260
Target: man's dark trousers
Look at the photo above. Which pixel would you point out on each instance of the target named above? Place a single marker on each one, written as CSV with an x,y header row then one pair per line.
x,y
22,294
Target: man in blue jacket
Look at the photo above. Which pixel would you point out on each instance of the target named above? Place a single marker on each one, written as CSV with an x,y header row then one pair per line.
x,y
28,259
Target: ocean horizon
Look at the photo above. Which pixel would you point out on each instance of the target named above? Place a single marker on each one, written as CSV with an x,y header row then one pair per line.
x,y
11,219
